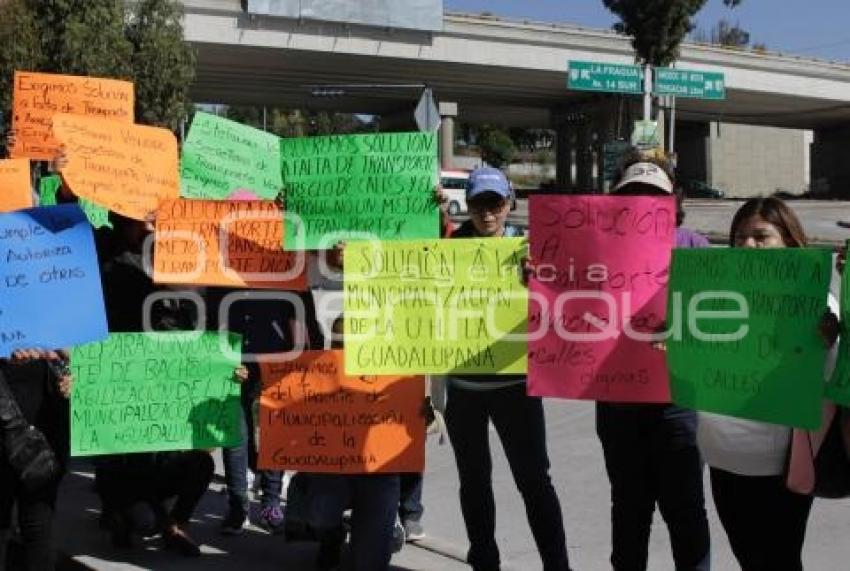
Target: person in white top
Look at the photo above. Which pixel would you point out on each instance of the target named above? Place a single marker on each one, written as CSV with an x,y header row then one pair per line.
x,y
764,520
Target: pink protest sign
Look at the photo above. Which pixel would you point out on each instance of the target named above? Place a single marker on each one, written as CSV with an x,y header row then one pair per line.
x,y
599,292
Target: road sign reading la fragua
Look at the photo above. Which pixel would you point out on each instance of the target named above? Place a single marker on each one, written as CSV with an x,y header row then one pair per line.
x,y
596,76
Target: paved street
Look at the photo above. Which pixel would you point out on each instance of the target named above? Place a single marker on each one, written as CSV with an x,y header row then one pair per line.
x,y
579,476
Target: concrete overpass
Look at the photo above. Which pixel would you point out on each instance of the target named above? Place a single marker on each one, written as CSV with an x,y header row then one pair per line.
x,y
509,72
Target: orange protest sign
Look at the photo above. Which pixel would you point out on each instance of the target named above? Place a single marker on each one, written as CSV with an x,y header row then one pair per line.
x,y
15,190
123,167
314,418
40,96
237,244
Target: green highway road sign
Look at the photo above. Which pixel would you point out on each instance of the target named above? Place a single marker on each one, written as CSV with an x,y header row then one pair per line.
x,y
594,76
689,83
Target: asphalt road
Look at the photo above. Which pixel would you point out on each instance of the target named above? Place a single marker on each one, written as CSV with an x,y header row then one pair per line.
x,y
578,474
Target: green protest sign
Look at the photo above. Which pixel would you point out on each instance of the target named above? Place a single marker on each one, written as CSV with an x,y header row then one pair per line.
x,y
167,391
745,339
353,187
838,388
48,191
435,306
221,157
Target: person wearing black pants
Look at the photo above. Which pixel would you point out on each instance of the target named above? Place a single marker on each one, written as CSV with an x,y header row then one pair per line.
x,y
410,507
651,452
519,421
135,487
765,521
476,400
43,403
651,456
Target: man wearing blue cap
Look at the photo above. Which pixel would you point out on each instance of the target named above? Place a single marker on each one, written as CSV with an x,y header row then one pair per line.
x,y
476,400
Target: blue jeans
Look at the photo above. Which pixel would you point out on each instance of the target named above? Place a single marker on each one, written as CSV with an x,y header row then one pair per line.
x,y
651,456
373,499
239,458
410,501
519,422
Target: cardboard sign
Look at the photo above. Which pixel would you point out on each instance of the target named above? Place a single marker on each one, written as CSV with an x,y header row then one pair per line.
x,y
167,391
444,306
220,157
51,296
838,388
745,340
355,187
48,195
126,168
235,244
15,189
600,288
38,97
314,418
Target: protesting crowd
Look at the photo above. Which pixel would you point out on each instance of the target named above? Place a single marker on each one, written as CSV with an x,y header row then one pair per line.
x,y
158,310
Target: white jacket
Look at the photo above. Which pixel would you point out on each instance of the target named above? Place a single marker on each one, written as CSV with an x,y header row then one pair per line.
x,y
749,447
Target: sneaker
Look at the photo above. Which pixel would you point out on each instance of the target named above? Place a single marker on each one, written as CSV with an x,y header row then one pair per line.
x,y
272,519
234,523
413,530
398,536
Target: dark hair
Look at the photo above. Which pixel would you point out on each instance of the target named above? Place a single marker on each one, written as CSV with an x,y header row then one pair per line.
x,y
776,212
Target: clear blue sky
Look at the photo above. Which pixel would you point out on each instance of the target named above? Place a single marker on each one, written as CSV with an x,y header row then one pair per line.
x,y
814,28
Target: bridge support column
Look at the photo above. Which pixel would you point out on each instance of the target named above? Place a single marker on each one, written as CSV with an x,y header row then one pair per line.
x,y
448,112
831,161
582,131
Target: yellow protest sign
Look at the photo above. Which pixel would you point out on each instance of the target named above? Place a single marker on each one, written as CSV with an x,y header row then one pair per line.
x,y
435,306
126,168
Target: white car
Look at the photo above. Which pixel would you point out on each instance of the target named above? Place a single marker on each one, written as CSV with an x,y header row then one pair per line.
x,y
454,186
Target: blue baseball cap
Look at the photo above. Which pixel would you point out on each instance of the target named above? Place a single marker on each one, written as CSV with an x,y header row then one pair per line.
x,y
487,179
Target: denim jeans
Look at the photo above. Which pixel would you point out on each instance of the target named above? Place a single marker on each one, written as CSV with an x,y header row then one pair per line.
x,y
764,520
651,456
373,499
519,422
410,500
239,458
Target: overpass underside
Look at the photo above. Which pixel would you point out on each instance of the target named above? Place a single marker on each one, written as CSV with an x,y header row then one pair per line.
x,y
512,74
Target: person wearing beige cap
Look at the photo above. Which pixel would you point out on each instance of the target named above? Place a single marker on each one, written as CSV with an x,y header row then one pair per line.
x,y
651,453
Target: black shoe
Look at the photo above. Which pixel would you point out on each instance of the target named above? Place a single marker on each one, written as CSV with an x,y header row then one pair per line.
x,y
181,543
328,558
234,523
330,550
119,531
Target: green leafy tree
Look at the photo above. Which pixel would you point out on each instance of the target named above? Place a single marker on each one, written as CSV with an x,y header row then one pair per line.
x,y
496,146
21,43
657,27
163,63
83,37
138,41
